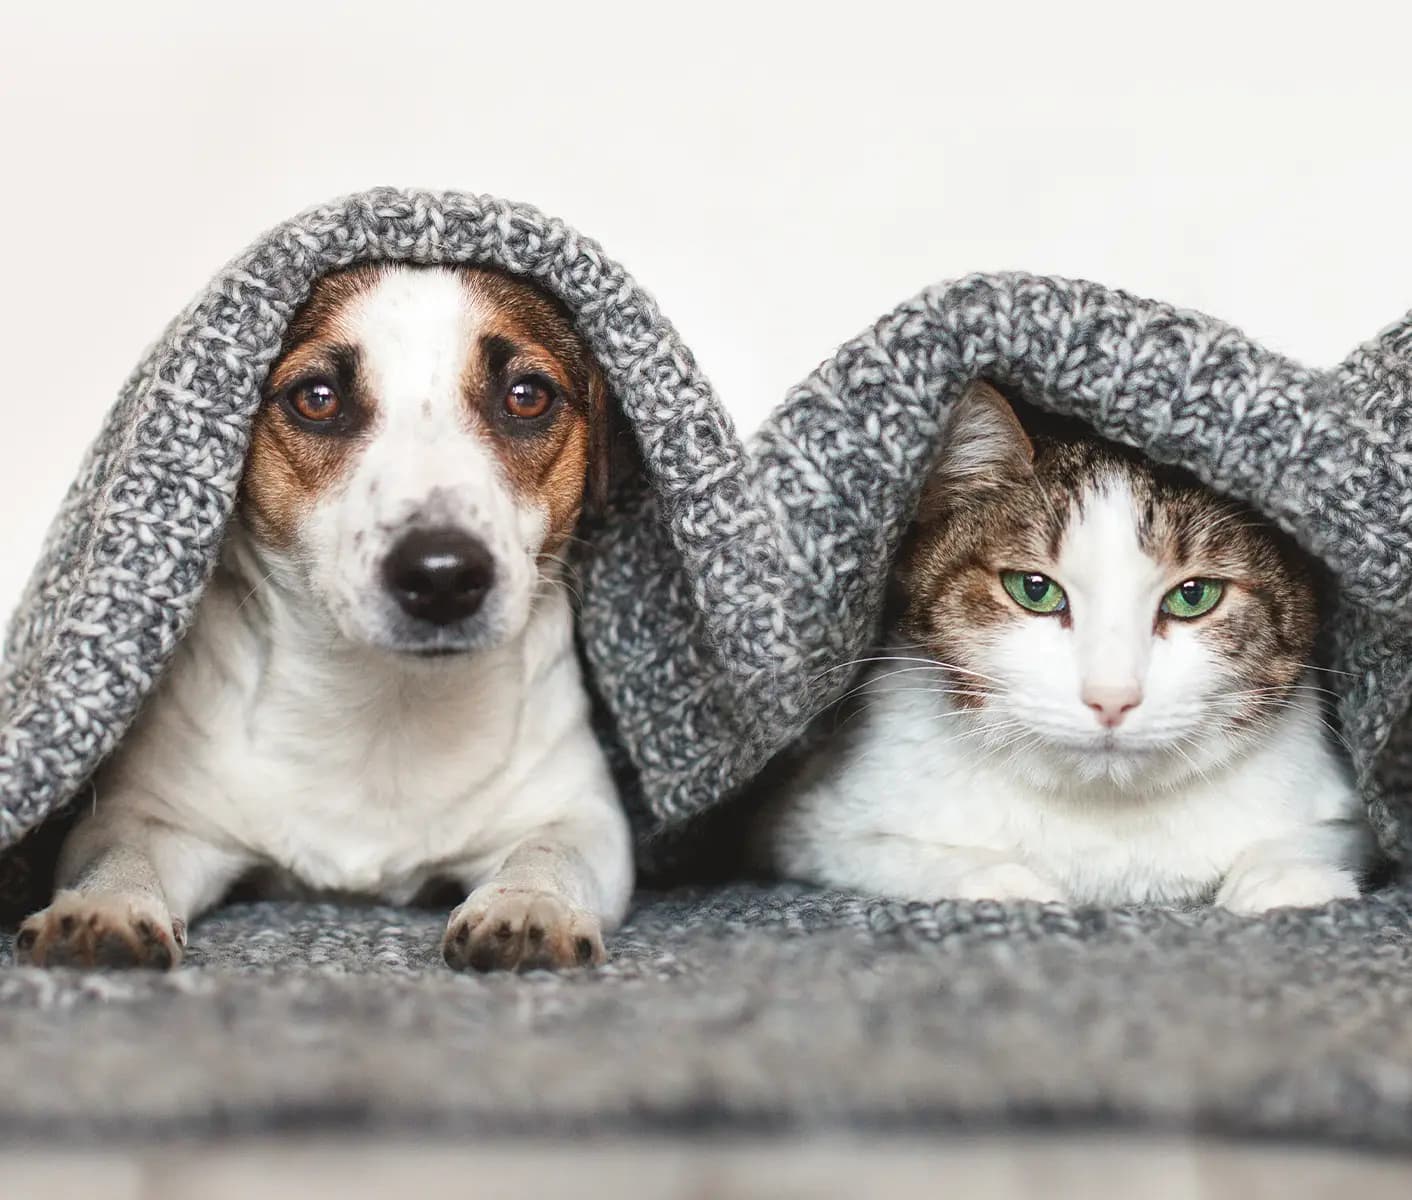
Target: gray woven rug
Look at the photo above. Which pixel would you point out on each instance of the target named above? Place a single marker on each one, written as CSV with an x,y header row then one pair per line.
x,y
746,1009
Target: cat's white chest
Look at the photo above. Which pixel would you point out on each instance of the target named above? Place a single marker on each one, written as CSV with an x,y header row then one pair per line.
x,y
908,785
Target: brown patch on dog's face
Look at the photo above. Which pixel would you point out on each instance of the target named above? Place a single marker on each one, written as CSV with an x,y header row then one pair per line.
x,y
540,397
294,460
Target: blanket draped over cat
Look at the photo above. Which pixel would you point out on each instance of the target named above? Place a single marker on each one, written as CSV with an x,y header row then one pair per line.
x,y
727,580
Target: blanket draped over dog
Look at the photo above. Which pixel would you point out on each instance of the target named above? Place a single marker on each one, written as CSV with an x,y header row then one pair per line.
x,y
727,581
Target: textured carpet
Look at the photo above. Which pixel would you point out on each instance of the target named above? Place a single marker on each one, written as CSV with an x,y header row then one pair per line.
x,y
740,1010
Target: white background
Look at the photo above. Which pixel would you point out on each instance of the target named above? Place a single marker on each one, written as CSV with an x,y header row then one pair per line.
x,y
776,175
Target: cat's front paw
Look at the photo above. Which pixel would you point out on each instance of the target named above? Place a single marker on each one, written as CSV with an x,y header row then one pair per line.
x,y
498,930
1005,881
1260,886
79,930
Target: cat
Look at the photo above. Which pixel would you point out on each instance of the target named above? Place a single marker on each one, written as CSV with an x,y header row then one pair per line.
x,y
1098,691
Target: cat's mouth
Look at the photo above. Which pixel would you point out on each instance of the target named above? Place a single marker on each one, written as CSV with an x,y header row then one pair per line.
x,y
1110,746
1116,749
1114,742
1121,759
1118,755
1141,754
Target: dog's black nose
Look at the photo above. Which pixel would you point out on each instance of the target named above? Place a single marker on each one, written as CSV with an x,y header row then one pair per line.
x,y
439,575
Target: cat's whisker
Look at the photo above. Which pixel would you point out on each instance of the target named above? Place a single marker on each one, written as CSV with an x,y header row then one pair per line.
x,y
1295,706
863,662
944,692
959,670
1009,733
872,680
1024,736
937,665
922,664
1329,671
952,715
983,724
945,695
866,687
1294,686
1334,731
1271,736
1287,690
1187,758
925,667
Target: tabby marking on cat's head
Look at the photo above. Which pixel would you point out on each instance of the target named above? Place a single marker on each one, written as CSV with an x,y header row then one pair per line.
x,y
1100,616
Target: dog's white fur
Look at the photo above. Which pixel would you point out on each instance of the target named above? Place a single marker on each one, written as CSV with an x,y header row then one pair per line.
x,y
293,732
1032,795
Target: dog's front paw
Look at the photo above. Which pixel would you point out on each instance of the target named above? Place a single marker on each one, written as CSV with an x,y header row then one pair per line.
x,y
1260,886
77,930
498,930
1005,881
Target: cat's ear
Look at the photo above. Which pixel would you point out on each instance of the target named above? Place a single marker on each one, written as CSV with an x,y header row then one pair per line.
x,y
983,447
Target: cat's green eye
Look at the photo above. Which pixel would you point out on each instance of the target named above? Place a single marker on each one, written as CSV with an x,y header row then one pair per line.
x,y
1194,598
1036,592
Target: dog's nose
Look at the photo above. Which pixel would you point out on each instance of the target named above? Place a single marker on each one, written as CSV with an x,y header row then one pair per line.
x,y
439,575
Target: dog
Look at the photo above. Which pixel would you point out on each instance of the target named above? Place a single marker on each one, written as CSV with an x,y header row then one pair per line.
x,y
380,691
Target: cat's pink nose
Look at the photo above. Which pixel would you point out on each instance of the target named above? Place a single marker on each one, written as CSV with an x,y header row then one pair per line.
x,y
1111,702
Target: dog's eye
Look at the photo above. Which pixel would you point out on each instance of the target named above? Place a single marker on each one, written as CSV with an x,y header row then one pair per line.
x,y
317,402
529,398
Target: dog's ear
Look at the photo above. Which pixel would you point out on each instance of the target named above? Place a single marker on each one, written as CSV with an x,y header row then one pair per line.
x,y
603,430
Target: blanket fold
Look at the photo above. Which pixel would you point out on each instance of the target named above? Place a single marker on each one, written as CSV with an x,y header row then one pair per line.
x,y
728,580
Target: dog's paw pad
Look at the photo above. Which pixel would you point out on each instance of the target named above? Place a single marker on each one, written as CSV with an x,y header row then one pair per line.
x,y
521,931
101,931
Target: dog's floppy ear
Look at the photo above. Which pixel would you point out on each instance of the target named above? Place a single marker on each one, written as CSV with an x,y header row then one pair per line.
x,y
603,428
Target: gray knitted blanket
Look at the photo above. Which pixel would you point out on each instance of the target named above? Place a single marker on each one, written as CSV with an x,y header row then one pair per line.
x,y
724,583
743,1011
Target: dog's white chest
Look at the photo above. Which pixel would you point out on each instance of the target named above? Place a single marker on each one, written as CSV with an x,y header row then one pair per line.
x,y
378,808
354,779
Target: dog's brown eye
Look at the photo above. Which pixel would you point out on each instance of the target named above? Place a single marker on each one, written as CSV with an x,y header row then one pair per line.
x,y
529,398
316,402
